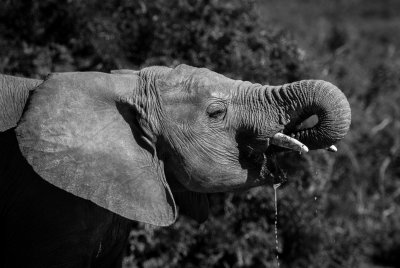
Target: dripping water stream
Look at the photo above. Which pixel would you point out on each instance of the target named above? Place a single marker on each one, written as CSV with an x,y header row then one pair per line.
x,y
276,186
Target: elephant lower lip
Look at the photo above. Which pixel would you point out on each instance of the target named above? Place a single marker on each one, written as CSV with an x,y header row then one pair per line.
x,y
266,165
271,169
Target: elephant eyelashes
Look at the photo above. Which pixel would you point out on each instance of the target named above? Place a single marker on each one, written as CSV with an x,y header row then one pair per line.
x,y
216,110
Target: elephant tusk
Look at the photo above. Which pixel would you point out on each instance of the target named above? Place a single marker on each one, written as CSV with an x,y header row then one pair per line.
x,y
332,149
282,140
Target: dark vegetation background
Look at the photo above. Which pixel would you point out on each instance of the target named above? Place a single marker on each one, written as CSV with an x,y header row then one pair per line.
x,y
336,210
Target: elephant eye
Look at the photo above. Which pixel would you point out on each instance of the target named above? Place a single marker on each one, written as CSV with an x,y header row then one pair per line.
x,y
216,110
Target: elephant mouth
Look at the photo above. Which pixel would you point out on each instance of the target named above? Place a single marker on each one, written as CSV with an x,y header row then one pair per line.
x,y
266,159
277,144
266,151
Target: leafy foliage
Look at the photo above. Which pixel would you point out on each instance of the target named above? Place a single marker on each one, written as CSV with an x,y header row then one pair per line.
x,y
100,36
335,211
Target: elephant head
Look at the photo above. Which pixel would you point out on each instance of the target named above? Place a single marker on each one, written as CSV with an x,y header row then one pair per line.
x,y
137,142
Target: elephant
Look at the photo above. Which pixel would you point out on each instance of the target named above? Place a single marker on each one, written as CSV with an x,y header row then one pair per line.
x,y
86,154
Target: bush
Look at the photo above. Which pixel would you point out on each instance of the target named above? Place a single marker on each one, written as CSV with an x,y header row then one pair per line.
x,y
46,36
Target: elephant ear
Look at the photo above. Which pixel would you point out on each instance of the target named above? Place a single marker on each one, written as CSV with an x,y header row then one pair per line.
x,y
81,133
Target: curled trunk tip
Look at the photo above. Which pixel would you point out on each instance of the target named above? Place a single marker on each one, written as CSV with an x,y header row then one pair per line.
x,y
323,99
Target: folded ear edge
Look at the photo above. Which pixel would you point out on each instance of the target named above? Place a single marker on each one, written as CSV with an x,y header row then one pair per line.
x,y
14,93
124,71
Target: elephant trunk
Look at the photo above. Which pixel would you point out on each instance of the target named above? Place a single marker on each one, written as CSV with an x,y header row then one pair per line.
x,y
291,104
303,99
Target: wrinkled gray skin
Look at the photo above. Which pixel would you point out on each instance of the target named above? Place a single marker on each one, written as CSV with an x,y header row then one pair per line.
x,y
139,144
